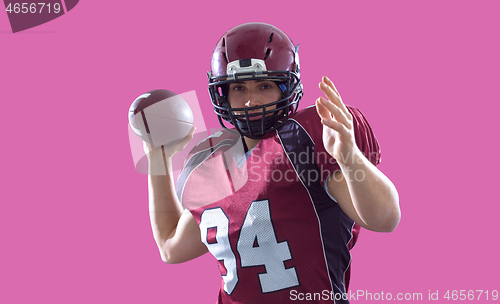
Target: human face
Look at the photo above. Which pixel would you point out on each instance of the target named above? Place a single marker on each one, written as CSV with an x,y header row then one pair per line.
x,y
253,93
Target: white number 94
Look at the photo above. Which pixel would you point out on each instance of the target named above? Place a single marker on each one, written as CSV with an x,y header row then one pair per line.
x,y
257,245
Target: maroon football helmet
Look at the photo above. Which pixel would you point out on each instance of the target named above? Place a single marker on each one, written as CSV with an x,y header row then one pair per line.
x,y
255,51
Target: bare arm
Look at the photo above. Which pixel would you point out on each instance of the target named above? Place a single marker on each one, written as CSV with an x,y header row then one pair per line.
x,y
175,230
364,193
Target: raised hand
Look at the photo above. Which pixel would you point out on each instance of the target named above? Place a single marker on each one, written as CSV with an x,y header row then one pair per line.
x,y
338,130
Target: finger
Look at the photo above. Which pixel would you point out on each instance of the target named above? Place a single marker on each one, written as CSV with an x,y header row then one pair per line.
x,y
322,110
147,147
344,107
337,126
332,96
331,85
327,86
335,112
191,132
325,113
188,138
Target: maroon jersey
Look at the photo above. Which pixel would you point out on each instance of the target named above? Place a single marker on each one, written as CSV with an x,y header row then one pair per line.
x,y
269,219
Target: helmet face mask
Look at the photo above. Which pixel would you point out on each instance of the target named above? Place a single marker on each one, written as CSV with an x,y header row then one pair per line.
x,y
255,51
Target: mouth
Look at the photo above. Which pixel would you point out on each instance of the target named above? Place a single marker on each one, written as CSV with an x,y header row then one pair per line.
x,y
251,118
256,117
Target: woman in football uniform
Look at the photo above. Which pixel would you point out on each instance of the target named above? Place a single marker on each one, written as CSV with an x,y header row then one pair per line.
x,y
278,195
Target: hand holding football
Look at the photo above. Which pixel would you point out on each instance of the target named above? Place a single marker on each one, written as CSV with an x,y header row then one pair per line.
x,y
160,117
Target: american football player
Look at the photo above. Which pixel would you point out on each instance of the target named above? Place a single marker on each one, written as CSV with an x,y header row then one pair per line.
x,y
279,195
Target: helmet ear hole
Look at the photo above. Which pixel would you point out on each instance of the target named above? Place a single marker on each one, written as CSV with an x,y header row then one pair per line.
x,y
223,101
223,90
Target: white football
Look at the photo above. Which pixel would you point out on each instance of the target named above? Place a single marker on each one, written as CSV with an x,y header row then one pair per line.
x,y
160,117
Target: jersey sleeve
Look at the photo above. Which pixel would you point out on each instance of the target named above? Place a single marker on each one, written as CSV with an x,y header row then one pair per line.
x,y
203,163
365,139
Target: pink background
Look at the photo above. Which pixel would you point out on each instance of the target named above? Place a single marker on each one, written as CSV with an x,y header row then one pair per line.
x,y
74,218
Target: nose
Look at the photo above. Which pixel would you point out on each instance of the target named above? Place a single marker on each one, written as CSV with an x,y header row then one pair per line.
x,y
253,99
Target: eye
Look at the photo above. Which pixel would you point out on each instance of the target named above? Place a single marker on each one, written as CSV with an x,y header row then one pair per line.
x,y
268,85
237,88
